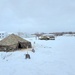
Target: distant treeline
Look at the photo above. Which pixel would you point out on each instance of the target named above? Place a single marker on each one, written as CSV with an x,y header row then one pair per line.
x,y
61,33
54,33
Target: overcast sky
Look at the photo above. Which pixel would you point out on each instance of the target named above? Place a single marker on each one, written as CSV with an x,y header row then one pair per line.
x,y
37,15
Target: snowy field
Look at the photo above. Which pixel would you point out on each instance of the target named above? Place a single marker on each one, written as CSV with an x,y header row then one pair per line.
x,y
53,57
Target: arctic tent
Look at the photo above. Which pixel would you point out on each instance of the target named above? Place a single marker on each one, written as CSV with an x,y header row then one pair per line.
x,y
14,42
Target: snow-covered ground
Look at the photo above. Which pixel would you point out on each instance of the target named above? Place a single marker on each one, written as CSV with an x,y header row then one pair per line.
x,y
53,57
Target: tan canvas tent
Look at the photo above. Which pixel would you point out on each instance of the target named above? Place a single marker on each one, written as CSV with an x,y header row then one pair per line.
x,y
14,42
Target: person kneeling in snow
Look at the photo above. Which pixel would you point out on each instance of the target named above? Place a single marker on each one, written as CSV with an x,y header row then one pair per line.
x,y
27,56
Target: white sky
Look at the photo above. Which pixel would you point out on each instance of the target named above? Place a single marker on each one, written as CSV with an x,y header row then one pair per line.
x,y
37,15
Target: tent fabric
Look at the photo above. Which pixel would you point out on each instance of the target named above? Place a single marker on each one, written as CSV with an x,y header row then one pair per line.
x,y
14,42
